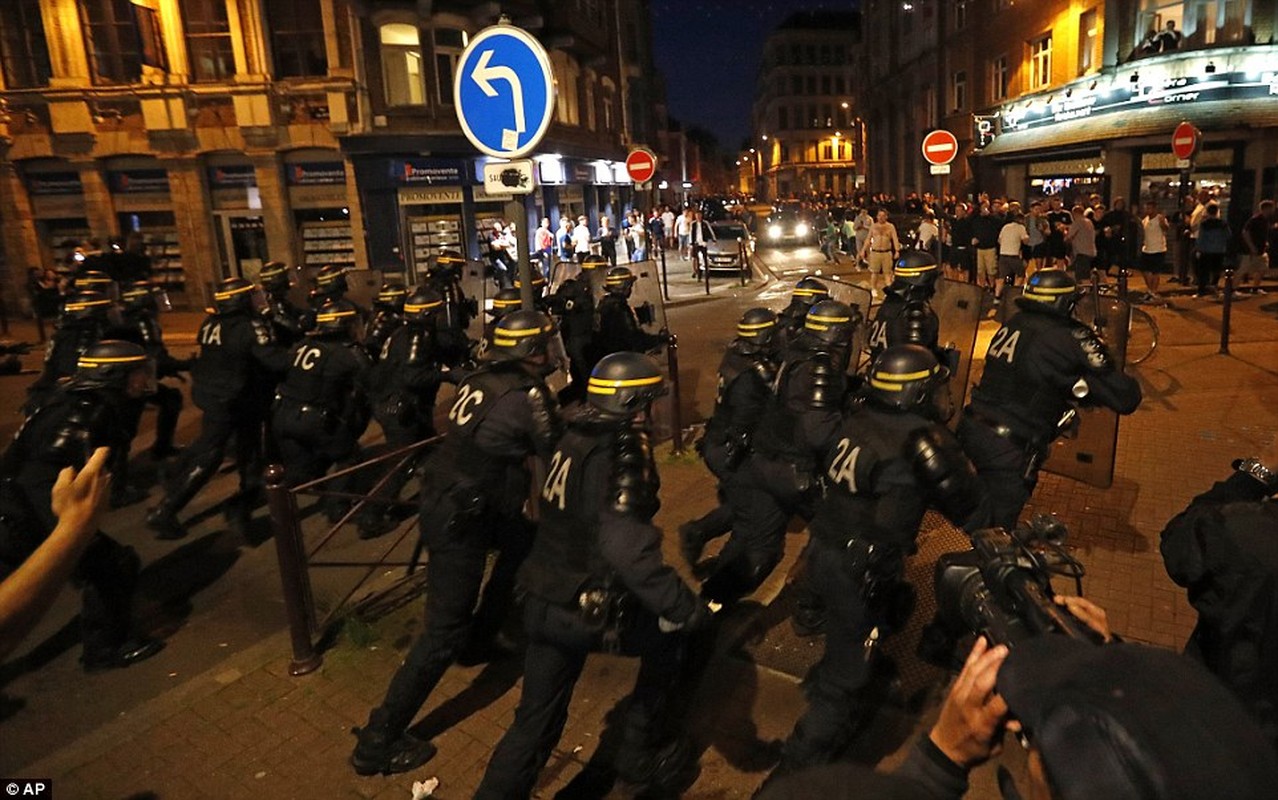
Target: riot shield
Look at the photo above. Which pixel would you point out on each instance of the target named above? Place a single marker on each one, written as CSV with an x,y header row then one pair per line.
x,y
1088,454
1007,306
595,271
476,288
860,298
561,272
958,313
646,299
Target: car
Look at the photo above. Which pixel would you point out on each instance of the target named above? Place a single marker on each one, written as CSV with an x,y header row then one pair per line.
x,y
724,251
789,226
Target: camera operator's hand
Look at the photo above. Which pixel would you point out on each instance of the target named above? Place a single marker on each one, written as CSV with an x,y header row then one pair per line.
x,y
1088,613
970,728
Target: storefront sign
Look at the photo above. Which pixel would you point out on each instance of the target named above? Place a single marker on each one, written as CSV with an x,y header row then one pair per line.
x,y
139,181
582,173
49,184
422,197
429,172
236,176
315,174
482,195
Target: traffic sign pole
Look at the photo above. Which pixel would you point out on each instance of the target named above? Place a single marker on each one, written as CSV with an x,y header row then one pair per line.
x,y
940,147
1185,142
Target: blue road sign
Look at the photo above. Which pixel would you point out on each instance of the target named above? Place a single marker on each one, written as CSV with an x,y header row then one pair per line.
x,y
504,91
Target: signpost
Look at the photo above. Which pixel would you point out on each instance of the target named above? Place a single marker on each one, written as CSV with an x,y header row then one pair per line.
x,y
641,165
940,147
504,93
1185,141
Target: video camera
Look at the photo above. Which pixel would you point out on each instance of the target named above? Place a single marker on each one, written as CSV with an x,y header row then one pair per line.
x,y
1002,588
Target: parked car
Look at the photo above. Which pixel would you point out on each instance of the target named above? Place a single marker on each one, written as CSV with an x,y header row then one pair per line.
x,y
789,226
724,252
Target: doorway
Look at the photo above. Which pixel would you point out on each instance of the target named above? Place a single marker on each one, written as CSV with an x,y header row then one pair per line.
x,y
242,247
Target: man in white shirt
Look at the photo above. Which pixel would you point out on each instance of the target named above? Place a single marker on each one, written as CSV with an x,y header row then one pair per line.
x,y
581,239
683,228
1011,266
668,225
861,227
1081,237
1153,248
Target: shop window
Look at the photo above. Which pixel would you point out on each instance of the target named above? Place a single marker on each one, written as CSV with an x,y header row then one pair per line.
x,y
208,39
402,64
297,38
1041,62
24,53
112,37
998,79
1088,31
449,44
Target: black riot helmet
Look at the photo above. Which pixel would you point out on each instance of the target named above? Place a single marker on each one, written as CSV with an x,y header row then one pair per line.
x,y
504,302
448,264
619,280
275,277
810,291
594,262
139,296
756,330
538,283
86,305
623,384
422,304
233,294
1050,288
330,281
520,334
95,281
336,318
831,322
391,297
914,272
108,364
903,377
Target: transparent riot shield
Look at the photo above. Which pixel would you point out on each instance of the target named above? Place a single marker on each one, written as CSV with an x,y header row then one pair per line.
x,y
1087,454
859,298
958,313
646,299
476,289
594,269
562,271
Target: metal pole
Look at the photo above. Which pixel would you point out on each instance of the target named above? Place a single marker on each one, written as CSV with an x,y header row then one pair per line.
x,y
1226,310
705,263
1122,283
515,210
676,413
745,262
293,576
665,276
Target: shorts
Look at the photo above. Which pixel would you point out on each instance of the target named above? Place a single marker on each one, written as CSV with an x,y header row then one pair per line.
x,y
1248,265
1083,267
987,262
1153,262
1011,267
881,261
683,241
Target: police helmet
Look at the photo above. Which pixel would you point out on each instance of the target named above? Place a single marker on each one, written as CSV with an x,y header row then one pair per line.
x,y
448,262
94,281
538,283
108,364
903,377
1052,288
915,268
336,317
422,304
331,280
233,294
505,301
757,328
619,279
391,297
520,334
139,296
86,305
831,321
810,291
593,262
274,276
624,383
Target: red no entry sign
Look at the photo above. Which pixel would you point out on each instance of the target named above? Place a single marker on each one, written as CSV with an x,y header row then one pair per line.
x,y
641,165
940,147
1185,140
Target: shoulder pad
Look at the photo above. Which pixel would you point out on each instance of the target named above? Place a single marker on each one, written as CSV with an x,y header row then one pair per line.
x,y
943,471
765,370
826,385
1093,349
261,327
633,483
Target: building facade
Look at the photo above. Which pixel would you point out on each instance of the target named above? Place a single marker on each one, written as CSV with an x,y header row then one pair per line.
x,y
807,133
1074,97
215,135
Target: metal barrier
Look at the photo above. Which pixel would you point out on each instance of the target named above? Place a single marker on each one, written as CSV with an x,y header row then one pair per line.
x,y
296,560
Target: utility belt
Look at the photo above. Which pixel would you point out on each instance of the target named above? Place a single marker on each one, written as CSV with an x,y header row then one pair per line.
x,y
607,611
1035,452
301,406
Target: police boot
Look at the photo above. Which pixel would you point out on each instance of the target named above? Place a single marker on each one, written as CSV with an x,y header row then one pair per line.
x,y
377,752
664,772
121,655
163,518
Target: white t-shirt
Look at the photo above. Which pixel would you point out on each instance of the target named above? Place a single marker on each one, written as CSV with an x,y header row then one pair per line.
x,y
581,239
1155,236
683,225
667,222
1011,238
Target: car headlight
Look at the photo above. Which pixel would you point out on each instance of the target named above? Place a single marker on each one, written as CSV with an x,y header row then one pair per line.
x,y
774,231
801,229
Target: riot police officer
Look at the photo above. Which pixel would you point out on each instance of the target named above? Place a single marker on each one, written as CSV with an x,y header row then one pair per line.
x,y
1039,365
237,354
746,374
882,465
906,315
321,406
388,315
142,326
85,318
778,479
573,304
475,485
504,302
597,552
455,317
288,322
619,329
89,412
807,293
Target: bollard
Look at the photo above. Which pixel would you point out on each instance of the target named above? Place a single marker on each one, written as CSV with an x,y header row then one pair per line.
x,y
1226,310
1122,284
296,583
676,413
665,276
705,265
745,262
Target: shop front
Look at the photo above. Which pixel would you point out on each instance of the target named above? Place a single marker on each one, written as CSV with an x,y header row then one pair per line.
x,y
143,204
316,182
237,216
58,209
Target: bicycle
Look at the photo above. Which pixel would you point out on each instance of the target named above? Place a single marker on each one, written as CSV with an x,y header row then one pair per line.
x,y
1142,328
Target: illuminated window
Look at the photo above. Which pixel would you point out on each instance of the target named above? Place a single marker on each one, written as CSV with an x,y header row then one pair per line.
x,y
1041,62
112,38
449,44
24,53
208,40
998,79
958,91
297,38
1087,38
402,64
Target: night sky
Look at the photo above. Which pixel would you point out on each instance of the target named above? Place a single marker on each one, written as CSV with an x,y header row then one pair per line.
x,y
709,52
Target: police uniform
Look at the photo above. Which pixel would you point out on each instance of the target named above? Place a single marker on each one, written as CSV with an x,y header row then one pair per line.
x,y
388,316
574,305
475,485
906,316
87,413
807,293
595,581
882,465
618,330
237,355
289,323
83,323
455,317
1034,366
143,328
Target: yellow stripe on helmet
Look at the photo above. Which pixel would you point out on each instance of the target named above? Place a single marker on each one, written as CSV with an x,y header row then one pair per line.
x,y
97,361
513,334
887,387
622,384
330,316
906,376
810,292
83,304
911,271
828,319
1044,290
229,293
413,308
